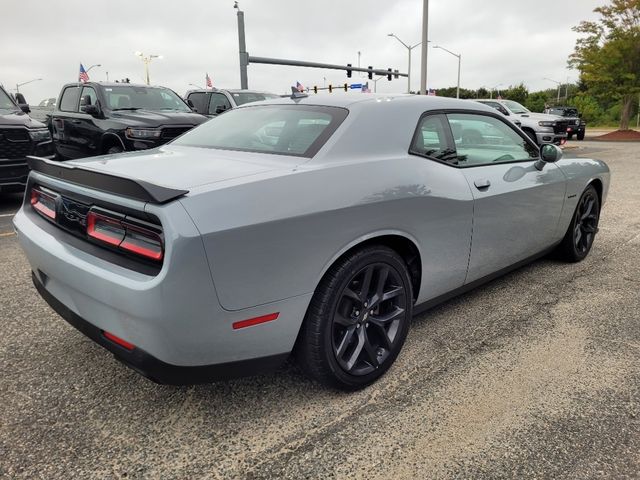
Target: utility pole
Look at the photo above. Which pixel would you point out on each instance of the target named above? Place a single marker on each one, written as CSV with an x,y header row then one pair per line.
x,y
425,45
244,56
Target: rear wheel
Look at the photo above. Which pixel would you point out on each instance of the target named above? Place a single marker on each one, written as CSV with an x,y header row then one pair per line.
x,y
114,149
579,238
358,319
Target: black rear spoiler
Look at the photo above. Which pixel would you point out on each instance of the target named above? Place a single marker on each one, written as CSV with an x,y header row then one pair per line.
x,y
126,187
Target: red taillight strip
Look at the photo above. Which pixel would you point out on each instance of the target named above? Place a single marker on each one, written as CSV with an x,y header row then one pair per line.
x,y
118,341
41,207
92,232
255,321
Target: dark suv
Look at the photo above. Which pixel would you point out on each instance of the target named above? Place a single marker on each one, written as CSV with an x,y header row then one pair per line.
x,y
577,126
20,136
213,102
97,118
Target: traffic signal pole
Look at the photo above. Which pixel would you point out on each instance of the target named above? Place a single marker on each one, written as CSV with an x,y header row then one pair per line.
x,y
329,66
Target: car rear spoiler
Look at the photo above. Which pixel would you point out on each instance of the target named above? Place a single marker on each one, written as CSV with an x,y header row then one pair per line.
x,y
126,187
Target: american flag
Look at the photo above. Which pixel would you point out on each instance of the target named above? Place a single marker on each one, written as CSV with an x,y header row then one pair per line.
x,y
83,76
299,87
208,79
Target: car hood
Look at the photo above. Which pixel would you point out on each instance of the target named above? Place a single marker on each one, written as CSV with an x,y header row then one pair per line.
x,y
152,118
18,119
186,167
540,116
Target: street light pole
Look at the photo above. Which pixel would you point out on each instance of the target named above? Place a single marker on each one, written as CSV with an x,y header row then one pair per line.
x,y
96,65
459,55
244,56
494,88
18,85
147,60
409,48
559,85
425,44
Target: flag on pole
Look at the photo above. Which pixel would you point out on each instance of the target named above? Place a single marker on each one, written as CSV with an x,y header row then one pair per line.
x,y
83,76
208,79
299,87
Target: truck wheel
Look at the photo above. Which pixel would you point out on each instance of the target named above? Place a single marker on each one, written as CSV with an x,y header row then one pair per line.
x,y
581,135
114,149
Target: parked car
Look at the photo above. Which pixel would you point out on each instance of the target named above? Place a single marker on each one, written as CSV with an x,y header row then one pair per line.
x,y
541,128
214,102
20,135
95,118
577,126
318,226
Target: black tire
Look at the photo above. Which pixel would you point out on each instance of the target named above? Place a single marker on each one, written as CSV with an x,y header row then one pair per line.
x,y
582,230
349,339
114,149
581,135
532,136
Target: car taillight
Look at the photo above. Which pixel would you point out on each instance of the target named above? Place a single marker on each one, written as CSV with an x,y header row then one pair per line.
x,y
44,202
125,233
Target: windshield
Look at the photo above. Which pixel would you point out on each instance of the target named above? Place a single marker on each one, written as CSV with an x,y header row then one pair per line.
x,y
298,130
515,107
131,97
247,97
5,101
564,112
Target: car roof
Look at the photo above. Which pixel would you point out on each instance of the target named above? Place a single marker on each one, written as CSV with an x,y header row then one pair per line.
x,y
230,90
115,84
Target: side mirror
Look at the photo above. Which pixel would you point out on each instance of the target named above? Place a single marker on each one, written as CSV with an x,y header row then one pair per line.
x,y
92,110
24,107
504,111
579,115
190,103
548,154
220,109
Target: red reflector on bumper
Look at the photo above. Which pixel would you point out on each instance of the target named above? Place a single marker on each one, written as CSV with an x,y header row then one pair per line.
x,y
118,341
255,321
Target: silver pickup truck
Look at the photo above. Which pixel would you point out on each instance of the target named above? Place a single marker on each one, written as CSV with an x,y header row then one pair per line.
x,y
540,127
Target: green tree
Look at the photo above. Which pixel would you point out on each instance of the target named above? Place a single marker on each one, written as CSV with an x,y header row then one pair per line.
x,y
608,56
517,93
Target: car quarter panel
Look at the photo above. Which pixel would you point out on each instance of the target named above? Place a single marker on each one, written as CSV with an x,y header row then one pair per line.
x,y
273,239
579,173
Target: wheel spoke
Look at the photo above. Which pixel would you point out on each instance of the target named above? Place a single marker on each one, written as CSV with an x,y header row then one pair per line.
x,y
356,351
351,294
587,209
343,320
366,283
387,317
394,292
370,350
384,336
345,341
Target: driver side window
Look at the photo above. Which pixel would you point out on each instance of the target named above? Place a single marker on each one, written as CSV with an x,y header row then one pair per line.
x,y
481,140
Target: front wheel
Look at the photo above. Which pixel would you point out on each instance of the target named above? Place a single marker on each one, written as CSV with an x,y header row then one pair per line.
x,y
358,319
581,233
581,135
114,149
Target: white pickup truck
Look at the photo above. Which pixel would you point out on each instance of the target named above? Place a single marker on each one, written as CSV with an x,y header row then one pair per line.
x,y
540,127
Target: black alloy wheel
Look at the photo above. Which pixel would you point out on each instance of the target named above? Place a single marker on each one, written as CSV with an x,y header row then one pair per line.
x,y
581,233
368,318
358,319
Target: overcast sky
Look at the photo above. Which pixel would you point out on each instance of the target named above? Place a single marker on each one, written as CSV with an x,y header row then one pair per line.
x,y
501,41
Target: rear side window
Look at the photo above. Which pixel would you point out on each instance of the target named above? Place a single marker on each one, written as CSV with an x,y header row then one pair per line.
x,y
298,130
481,139
432,139
199,100
69,100
219,103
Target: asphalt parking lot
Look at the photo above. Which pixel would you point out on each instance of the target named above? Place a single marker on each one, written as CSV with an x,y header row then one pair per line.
x,y
535,375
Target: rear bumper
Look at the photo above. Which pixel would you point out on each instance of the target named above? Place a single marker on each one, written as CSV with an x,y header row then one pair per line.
x,y
153,368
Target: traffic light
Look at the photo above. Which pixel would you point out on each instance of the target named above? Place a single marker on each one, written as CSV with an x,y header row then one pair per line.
x,y
348,70
315,89
370,72
346,87
389,74
330,88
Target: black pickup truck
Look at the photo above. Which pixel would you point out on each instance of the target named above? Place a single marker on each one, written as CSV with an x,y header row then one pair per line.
x,y
20,136
577,126
97,118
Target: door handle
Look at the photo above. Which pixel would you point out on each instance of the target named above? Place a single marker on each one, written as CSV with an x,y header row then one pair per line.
x,y
76,122
482,183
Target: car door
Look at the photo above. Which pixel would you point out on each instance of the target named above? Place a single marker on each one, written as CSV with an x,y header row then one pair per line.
x,y
516,206
63,122
89,138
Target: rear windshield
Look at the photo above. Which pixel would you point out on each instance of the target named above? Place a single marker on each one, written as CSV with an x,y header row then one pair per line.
x,y
298,130
131,97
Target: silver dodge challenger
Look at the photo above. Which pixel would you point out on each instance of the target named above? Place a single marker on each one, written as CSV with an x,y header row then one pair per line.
x,y
313,226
